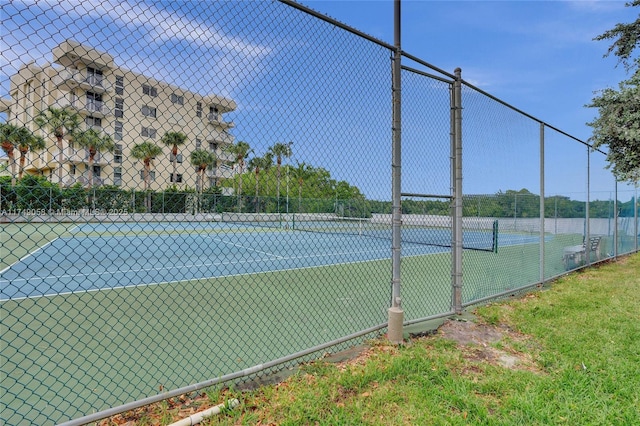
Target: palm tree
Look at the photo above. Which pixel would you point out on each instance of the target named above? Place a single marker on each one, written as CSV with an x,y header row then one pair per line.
x,y
300,173
240,150
280,150
94,142
257,164
8,138
202,159
145,152
58,122
27,141
174,140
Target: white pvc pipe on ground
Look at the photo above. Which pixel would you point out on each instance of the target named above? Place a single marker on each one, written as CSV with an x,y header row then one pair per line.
x,y
196,418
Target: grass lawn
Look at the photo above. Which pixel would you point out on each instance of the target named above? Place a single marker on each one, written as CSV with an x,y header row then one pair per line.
x,y
569,354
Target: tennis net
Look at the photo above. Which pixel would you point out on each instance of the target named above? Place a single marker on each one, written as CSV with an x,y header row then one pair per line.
x,y
426,230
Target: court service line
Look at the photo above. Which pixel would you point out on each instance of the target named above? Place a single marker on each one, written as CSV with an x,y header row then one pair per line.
x,y
245,247
95,290
179,267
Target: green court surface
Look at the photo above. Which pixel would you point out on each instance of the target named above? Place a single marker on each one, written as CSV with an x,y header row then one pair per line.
x,y
67,355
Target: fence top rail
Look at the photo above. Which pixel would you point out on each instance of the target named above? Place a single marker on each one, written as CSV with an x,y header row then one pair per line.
x,y
425,74
337,23
428,65
477,89
352,30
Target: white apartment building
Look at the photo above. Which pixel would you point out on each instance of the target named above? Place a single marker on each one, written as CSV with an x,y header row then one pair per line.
x,y
128,106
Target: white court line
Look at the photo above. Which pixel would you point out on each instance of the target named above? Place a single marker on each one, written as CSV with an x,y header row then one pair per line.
x,y
27,255
95,290
246,248
235,262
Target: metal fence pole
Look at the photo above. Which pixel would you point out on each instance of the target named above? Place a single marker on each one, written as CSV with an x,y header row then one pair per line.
x,y
615,220
635,217
542,225
586,214
395,311
456,267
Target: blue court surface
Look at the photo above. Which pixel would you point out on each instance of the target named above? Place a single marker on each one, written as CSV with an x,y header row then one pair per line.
x,y
93,257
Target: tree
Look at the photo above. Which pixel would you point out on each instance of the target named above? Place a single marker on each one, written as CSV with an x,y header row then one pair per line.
x,y
59,123
300,173
258,164
626,38
8,138
145,152
618,122
174,140
240,150
27,141
94,142
202,159
280,150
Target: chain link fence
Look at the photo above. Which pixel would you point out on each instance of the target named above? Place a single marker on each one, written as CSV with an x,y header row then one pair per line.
x,y
201,193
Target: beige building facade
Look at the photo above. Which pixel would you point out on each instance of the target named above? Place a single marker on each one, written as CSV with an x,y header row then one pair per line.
x,y
129,107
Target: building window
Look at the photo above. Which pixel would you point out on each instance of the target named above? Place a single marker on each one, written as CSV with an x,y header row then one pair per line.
x,y
72,170
198,143
94,76
96,171
152,174
117,176
118,130
119,85
177,99
93,122
148,132
198,109
117,154
213,147
149,90
119,109
94,102
177,158
148,111
178,178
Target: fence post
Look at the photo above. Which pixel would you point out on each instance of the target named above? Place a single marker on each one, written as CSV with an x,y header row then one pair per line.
x,y
615,221
542,224
635,217
396,315
456,264
587,234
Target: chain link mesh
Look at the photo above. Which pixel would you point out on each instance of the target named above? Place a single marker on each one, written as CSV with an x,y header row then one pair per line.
x,y
193,189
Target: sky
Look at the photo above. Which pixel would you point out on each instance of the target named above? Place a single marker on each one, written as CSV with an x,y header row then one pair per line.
x,y
538,56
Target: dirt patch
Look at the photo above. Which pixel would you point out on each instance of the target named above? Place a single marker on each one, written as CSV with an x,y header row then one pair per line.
x,y
484,343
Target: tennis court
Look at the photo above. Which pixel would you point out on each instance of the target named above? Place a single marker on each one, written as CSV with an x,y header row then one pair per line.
x,y
114,305
105,256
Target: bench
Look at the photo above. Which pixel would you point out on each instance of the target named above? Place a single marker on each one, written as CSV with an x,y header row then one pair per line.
x,y
576,256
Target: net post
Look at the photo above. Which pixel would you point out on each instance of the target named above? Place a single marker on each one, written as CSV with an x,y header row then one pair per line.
x,y
456,160
396,315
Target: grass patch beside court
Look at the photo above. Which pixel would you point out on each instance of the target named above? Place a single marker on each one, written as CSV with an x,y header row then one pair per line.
x,y
566,355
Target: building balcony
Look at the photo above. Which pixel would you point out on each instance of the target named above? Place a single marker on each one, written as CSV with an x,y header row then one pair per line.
x,y
221,138
94,108
83,180
225,156
71,79
81,156
216,119
221,172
